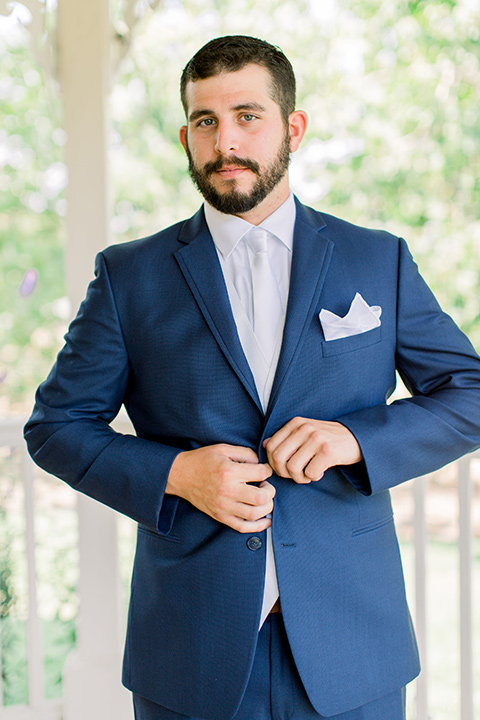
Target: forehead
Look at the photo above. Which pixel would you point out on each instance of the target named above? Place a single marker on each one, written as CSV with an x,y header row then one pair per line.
x,y
251,84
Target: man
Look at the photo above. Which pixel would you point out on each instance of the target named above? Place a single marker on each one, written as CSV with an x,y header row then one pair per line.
x,y
254,347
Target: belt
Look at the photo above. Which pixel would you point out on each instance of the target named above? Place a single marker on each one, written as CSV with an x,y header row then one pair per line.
x,y
277,608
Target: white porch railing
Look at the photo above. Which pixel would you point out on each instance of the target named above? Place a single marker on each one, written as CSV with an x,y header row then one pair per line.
x,y
38,708
464,483
92,673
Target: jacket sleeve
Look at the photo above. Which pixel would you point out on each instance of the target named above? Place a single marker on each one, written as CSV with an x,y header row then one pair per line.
x,y
69,433
441,421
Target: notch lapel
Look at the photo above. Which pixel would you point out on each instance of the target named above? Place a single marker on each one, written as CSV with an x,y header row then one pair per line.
x,y
199,263
311,258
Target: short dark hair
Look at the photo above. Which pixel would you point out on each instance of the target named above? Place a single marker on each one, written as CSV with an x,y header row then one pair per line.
x,y
233,52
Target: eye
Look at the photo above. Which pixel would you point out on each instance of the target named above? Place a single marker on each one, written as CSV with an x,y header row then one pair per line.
x,y
206,122
248,117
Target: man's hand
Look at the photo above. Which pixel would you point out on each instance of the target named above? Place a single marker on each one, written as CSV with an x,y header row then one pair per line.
x,y
303,449
216,479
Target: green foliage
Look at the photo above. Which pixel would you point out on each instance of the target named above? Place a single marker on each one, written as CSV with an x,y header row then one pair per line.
x,y
14,661
59,638
391,91
32,177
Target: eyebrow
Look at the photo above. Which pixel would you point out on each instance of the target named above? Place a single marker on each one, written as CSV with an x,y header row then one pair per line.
x,y
252,106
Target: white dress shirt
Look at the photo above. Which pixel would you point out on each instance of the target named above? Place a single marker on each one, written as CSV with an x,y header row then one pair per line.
x,y
236,258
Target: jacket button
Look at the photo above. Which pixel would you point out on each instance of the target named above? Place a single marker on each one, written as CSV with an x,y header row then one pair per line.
x,y
254,543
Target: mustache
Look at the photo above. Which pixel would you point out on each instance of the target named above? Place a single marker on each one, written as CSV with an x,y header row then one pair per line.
x,y
221,162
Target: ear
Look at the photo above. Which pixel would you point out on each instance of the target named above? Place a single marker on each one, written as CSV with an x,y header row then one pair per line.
x,y
183,136
297,125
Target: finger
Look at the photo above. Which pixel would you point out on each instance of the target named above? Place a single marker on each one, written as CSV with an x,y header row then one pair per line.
x,y
319,463
238,453
258,496
280,456
271,488
253,473
245,526
277,438
297,475
290,428
304,443
251,513
311,455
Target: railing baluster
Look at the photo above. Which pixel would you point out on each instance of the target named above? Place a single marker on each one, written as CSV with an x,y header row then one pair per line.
x,y
35,658
10,436
466,610
420,542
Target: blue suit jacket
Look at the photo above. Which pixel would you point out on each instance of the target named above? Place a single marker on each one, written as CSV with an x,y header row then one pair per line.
x,y
156,333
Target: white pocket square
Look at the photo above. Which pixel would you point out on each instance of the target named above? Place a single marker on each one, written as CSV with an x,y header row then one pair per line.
x,y
359,319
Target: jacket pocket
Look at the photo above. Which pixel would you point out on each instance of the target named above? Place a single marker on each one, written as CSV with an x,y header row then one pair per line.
x,y
151,533
351,343
373,525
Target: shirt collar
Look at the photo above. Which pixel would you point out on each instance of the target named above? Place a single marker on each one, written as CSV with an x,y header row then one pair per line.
x,y
228,230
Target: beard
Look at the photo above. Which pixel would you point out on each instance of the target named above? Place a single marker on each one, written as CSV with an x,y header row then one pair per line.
x,y
233,202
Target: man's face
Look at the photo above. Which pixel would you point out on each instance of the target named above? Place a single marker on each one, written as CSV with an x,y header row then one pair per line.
x,y
237,143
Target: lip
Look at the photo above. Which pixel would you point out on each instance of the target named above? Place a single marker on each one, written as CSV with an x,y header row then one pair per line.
x,y
231,172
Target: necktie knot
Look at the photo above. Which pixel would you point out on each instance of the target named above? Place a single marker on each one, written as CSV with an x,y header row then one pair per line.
x,y
258,240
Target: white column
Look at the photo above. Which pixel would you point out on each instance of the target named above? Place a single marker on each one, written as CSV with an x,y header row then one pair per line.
x,y
92,685
420,540
84,70
465,546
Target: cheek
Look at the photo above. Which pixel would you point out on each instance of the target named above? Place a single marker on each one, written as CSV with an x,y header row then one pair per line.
x,y
204,151
265,148
198,145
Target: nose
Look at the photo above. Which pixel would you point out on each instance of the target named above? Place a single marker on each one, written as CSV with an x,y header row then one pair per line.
x,y
226,140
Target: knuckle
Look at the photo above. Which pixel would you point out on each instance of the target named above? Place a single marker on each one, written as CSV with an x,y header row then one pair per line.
x,y
262,497
293,466
327,449
277,456
221,504
224,474
267,495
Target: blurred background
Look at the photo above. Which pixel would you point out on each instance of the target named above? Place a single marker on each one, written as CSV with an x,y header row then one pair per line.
x,y
392,93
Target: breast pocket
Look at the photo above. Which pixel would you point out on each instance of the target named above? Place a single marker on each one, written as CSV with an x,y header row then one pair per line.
x,y
354,342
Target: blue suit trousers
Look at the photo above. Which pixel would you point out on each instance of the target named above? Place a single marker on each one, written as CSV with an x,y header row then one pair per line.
x,y
275,691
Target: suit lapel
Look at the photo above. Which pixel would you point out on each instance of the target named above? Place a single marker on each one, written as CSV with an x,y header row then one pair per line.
x,y
201,269
198,261
310,261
